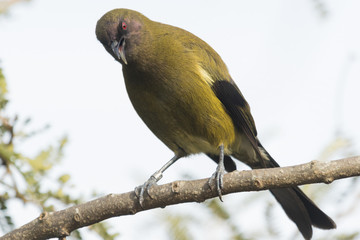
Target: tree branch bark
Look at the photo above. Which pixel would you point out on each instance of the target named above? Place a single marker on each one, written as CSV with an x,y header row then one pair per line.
x,y
61,223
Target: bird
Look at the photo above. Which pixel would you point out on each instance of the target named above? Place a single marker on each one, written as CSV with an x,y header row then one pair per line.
x,y
182,90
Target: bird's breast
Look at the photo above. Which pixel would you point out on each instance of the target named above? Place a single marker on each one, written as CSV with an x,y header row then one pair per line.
x,y
182,111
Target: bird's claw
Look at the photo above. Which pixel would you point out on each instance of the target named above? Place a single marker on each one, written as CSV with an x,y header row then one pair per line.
x,y
218,177
140,190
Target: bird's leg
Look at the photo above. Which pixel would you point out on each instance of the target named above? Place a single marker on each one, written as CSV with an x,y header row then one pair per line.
x,y
219,173
153,179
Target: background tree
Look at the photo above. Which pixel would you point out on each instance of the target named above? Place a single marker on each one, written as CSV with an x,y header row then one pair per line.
x,y
31,179
116,152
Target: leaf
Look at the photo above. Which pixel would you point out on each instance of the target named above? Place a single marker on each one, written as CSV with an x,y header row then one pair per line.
x,y
64,178
3,90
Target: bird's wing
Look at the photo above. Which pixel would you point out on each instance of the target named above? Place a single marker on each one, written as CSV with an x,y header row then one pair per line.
x,y
239,110
214,72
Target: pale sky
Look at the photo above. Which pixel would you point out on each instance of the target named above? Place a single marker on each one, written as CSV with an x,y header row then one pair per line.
x,y
289,63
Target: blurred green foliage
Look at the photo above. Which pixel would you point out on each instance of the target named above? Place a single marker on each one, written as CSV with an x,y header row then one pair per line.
x,y
23,178
31,179
6,4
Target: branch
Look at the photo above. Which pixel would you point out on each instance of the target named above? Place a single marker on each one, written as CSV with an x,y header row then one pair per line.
x,y
61,223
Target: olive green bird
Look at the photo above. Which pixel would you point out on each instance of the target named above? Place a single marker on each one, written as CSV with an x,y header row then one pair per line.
x,y
182,90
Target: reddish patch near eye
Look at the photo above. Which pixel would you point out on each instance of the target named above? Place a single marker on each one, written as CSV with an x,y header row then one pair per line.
x,y
123,25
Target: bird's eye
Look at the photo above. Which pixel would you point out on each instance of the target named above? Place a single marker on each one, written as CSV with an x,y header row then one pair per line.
x,y
123,25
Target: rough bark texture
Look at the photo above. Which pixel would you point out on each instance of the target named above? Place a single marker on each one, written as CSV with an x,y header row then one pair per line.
x,y
61,223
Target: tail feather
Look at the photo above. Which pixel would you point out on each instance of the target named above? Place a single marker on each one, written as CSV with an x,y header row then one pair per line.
x,y
294,209
297,206
318,218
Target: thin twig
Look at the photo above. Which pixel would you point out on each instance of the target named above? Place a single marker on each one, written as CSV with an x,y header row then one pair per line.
x,y
61,223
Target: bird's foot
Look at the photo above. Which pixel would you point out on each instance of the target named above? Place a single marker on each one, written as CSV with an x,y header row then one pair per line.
x,y
140,190
218,177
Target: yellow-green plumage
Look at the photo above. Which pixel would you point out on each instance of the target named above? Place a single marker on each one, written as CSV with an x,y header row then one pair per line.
x,y
183,91
168,79
171,116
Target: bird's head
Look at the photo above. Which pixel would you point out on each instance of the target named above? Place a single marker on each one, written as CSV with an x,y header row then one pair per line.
x,y
120,32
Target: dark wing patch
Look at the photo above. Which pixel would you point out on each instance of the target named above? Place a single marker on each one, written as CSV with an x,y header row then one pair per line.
x,y
239,111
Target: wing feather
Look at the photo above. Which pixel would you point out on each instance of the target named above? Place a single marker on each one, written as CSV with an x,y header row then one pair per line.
x,y
239,110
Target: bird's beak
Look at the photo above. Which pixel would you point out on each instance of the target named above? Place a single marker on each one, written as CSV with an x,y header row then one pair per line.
x,y
118,47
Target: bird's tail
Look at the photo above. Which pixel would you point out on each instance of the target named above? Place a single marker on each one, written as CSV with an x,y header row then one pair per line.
x,y
298,207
